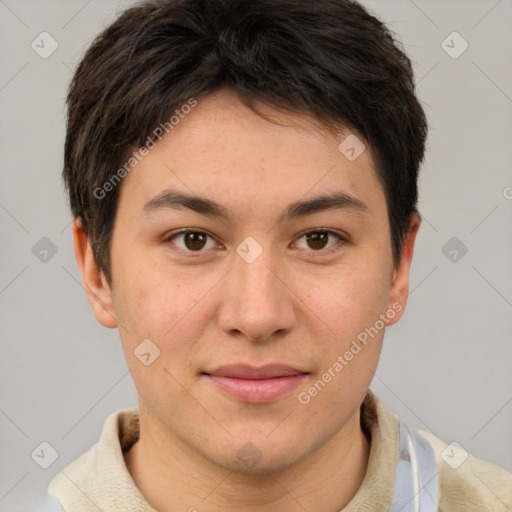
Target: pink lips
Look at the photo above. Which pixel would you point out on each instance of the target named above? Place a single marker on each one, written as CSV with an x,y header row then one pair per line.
x,y
256,385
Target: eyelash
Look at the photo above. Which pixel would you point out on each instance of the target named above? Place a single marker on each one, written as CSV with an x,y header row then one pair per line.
x,y
320,252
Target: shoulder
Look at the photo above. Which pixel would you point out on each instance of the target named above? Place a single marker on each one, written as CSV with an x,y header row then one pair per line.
x,y
72,486
94,477
467,483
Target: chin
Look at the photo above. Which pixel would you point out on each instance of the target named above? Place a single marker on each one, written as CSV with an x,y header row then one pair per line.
x,y
267,464
259,456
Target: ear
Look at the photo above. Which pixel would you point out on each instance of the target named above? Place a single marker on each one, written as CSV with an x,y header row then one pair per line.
x,y
95,284
400,284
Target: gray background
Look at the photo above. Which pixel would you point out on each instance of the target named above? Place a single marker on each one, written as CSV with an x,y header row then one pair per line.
x,y
445,367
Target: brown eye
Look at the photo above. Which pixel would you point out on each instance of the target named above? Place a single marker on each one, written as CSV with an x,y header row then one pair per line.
x,y
195,241
191,241
320,240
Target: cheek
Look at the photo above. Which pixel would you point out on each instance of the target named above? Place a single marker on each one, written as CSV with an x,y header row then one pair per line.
x,y
153,309
149,300
349,309
164,308
350,299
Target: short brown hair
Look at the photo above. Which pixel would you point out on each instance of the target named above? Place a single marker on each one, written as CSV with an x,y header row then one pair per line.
x,y
329,58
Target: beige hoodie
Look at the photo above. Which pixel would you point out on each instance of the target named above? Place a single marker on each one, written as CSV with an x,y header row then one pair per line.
x,y
99,480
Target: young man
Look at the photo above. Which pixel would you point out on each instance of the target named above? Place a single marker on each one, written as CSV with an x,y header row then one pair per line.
x,y
243,177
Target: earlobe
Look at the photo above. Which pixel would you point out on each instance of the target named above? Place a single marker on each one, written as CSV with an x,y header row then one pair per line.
x,y
400,284
95,284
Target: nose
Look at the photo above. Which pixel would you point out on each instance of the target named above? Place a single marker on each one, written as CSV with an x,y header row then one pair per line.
x,y
257,302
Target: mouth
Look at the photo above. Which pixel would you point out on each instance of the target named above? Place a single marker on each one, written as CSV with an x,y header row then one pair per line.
x,y
251,384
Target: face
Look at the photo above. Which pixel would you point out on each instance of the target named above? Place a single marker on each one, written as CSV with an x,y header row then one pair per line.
x,y
265,303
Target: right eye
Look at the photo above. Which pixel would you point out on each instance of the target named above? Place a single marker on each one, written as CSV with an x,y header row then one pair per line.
x,y
191,240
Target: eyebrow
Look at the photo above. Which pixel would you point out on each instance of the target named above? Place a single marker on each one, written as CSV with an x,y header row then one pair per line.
x,y
177,200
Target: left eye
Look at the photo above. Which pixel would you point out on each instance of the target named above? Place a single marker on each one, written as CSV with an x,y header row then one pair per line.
x,y
196,241
193,240
318,240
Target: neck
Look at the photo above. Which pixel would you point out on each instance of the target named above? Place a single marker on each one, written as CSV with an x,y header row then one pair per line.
x,y
173,476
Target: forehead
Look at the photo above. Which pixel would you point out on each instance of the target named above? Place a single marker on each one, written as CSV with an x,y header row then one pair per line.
x,y
221,148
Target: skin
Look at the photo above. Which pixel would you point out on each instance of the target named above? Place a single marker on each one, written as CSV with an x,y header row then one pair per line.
x,y
298,304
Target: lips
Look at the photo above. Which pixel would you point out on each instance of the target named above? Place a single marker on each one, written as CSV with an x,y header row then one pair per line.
x,y
242,371
255,384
